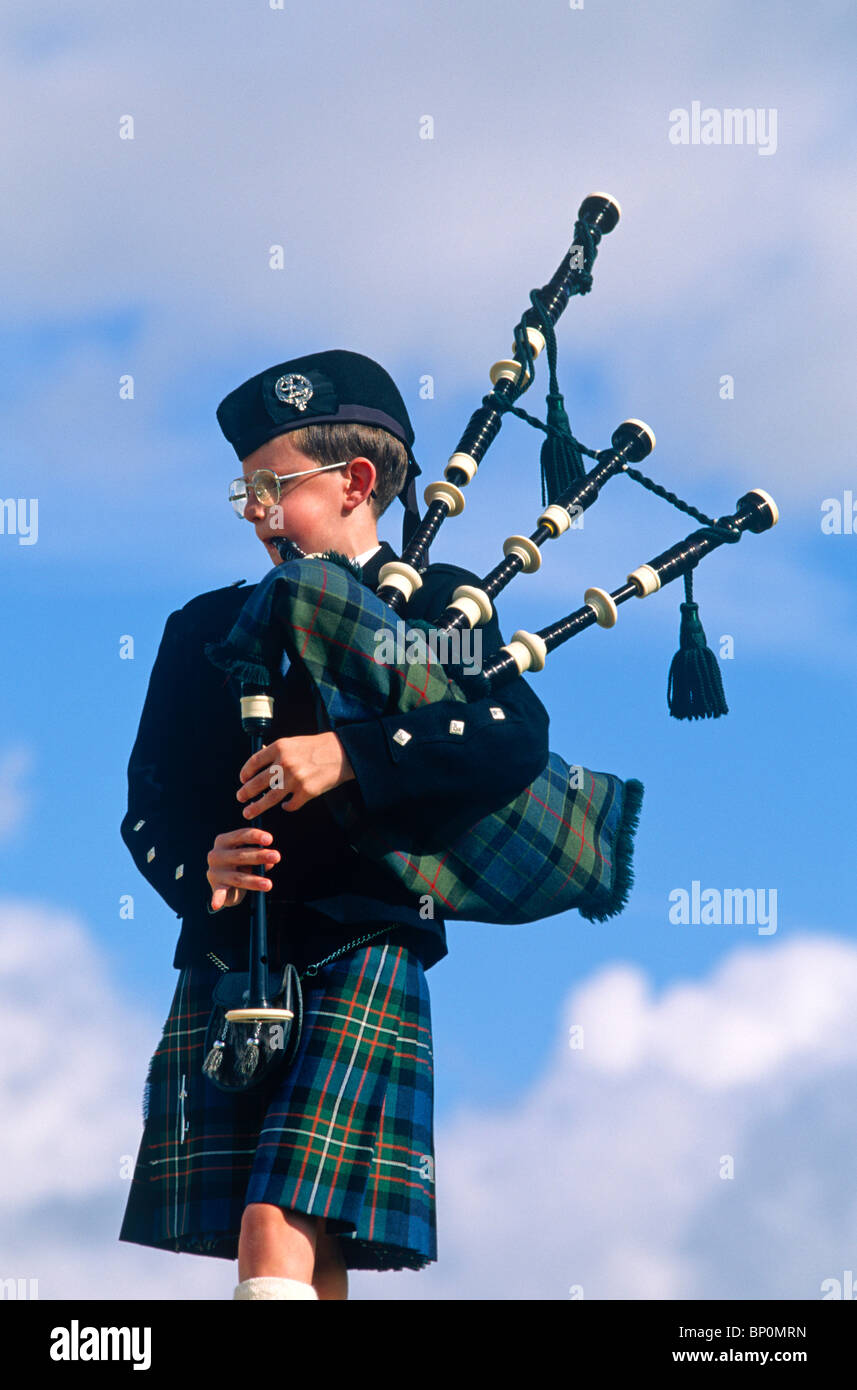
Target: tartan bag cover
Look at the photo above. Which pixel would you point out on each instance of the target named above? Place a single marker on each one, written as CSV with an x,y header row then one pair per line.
x,y
564,842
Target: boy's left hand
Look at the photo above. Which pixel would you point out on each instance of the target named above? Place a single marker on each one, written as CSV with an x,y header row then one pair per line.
x,y
310,765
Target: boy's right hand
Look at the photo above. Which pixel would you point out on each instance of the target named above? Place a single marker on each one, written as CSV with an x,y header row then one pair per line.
x,y
228,865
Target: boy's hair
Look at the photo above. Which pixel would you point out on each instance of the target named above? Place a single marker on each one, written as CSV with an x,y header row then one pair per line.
x,y
332,442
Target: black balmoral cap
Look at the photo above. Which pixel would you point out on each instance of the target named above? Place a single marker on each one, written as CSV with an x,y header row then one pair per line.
x,y
323,388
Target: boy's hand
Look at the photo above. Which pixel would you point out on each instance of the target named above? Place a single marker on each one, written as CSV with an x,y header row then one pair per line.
x,y
293,770
229,865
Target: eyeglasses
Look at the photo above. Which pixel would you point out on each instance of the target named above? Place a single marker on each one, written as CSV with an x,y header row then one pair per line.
x,y
268,486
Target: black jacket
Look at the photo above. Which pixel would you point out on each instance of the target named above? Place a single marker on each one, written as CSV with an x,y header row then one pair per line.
x,y
183,776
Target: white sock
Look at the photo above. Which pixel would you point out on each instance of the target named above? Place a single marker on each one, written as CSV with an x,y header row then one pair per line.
x,y
266,1286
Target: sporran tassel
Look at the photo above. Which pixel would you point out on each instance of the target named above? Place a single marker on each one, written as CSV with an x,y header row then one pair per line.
x,y
248,1057
695,686
211,1065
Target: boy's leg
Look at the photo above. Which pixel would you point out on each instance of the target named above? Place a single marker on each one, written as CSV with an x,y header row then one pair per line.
x,y
277,1243
330,1278
290,1245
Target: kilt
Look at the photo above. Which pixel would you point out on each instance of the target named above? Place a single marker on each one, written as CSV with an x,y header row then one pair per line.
x,y
346,1133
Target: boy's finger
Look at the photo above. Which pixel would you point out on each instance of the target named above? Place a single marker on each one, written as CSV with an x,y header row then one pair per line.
x,y
247,835
253,764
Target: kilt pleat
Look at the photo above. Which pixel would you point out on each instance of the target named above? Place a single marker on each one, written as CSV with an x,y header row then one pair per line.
x,y
346,1134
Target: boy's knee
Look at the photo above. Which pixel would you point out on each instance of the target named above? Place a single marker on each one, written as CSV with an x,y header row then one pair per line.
x,y
265,1216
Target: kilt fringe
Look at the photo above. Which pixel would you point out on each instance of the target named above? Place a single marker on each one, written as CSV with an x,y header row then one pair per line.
x,y
147,1090
623,854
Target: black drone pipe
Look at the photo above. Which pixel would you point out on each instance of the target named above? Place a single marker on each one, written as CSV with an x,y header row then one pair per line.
x,y
257,712
632,441
596,216
756,511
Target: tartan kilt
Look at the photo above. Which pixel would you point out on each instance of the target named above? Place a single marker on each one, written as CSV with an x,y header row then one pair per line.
x,y
346,1133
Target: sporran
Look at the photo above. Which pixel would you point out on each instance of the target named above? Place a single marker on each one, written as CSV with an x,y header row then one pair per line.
x,y
240,1055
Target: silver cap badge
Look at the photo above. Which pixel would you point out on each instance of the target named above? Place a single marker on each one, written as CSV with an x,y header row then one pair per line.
x,y
294,390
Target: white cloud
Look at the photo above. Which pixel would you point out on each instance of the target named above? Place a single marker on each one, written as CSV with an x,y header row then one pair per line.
x,y
605,1174
251,128
723,261
74,1049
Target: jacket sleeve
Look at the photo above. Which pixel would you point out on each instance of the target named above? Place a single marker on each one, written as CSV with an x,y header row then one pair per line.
x,y
423,767
167,838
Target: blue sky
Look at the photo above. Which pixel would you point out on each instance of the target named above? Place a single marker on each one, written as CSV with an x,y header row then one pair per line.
x,y
255,127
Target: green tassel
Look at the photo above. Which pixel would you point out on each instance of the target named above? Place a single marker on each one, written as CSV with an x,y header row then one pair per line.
x,y
695,687
561,460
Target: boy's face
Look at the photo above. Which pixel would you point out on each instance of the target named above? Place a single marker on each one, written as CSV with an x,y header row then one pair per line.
x,y
313,508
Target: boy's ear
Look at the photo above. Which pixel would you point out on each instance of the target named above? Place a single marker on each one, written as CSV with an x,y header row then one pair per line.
x,y
363,464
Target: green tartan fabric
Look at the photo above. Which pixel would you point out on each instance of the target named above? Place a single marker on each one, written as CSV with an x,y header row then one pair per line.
x,y
345,1134
564,842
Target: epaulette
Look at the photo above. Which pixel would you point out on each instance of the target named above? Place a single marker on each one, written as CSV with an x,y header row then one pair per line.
x,y
228,596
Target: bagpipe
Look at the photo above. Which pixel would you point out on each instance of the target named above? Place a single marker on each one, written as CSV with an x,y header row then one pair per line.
x,y
254,1027
566,840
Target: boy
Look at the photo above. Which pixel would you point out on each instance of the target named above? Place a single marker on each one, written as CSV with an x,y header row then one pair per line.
x,y
331,1166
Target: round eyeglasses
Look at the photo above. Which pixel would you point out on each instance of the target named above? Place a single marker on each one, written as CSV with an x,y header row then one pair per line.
x,y
268,487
